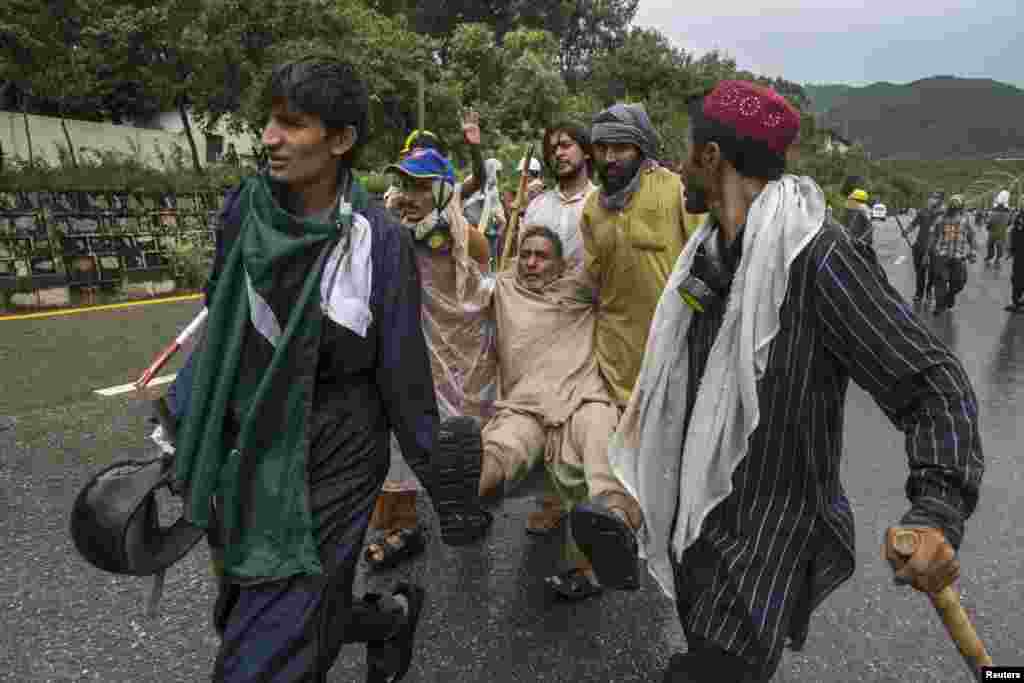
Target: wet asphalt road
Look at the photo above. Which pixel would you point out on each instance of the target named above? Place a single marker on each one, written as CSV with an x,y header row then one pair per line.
x,y
488,616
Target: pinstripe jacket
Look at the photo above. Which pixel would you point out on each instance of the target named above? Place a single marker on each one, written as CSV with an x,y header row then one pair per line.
x,y
784,538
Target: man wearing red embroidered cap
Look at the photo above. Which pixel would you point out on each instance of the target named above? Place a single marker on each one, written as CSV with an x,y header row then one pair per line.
x,y
769,313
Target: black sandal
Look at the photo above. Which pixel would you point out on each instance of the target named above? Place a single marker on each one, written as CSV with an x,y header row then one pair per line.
x,y
574,585
410,544
458,462
388,661
608,542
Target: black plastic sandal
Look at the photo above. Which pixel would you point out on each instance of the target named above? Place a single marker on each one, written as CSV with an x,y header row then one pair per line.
x,y
410,544
388,661
573,585
608,542
458,461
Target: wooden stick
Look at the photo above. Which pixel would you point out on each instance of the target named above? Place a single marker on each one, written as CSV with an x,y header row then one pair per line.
x,y
511,246
947,604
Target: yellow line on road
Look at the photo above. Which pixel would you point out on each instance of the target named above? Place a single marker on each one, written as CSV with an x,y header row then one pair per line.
x,y
105,307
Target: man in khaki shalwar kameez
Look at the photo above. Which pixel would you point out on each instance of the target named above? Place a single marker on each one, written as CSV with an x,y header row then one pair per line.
x,y
552,403
633,231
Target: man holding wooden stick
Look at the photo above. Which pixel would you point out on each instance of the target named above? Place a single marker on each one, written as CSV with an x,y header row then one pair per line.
x,y
732,442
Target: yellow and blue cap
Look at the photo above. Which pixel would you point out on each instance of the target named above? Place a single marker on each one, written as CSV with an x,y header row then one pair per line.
x,y
425,163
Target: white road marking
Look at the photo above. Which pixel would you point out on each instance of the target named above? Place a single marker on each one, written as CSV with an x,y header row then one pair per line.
x,y
125,388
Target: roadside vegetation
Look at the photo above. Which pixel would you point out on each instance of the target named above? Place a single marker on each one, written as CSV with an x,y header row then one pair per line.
x,y
522,65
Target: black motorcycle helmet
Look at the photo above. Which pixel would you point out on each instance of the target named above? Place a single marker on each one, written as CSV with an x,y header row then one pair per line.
x,y
115,521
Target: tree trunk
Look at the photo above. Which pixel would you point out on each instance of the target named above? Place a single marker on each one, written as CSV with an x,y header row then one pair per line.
x,y
28,132
67,136
188,133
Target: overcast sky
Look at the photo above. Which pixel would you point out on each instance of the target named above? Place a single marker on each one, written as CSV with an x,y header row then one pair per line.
x,y
851,41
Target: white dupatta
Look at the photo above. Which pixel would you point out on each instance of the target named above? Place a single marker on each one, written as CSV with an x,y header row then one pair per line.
x,y
682,480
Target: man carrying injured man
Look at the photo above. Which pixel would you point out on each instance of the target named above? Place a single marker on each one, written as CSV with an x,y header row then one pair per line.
x,y
456,324
552,402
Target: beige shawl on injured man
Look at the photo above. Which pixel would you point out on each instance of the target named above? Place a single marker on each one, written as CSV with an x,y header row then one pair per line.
x,y
546,360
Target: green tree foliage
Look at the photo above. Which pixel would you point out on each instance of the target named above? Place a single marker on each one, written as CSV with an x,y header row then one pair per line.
x,y
156,44
533,91
587,29
520,63
42,56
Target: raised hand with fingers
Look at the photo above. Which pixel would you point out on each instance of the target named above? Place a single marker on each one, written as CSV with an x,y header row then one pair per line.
x,y
471,127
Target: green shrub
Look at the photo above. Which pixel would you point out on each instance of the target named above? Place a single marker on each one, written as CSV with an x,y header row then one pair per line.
x,y
190,264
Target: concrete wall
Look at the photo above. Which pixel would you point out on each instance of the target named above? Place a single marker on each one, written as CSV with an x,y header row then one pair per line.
x,y
47,135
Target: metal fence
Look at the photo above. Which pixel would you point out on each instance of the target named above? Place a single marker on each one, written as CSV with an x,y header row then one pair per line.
x,y
86,239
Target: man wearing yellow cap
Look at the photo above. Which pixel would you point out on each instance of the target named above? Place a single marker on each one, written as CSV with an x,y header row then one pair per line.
x,y
858,222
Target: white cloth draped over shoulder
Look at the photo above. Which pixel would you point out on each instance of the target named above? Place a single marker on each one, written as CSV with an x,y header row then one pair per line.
x,y
679,477
346,297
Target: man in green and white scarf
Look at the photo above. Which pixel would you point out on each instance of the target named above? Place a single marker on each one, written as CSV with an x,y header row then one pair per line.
x,y
313,354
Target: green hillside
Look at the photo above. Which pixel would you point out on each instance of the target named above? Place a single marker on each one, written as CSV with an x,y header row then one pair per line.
x,y
824,97
943,117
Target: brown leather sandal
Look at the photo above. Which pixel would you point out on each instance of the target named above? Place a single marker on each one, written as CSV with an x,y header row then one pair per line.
x,y
394,547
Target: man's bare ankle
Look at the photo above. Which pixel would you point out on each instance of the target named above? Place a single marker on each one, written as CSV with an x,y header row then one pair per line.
x,y
492,476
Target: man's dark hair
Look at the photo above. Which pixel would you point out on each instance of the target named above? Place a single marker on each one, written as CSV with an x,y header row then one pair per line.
x,y
577,132
751,158
548,234
329,88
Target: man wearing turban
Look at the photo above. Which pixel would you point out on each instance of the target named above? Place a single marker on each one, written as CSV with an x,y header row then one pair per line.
x,y
633,230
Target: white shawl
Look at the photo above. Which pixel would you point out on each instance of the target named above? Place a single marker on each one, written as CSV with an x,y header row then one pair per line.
x,y
348,279
675,479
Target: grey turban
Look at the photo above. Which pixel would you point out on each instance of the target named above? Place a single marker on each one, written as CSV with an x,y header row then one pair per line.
x,y
626,123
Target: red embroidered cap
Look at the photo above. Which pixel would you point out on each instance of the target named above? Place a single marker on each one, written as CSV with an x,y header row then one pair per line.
x,y
754,111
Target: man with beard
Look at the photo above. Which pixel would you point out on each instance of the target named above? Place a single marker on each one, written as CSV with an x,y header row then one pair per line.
x,y
567,152
633,231
456,323
923,222
954,246
552,405
313,353
769,313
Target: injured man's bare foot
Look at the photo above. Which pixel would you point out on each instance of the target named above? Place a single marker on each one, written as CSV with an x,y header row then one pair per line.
x,y
492,477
